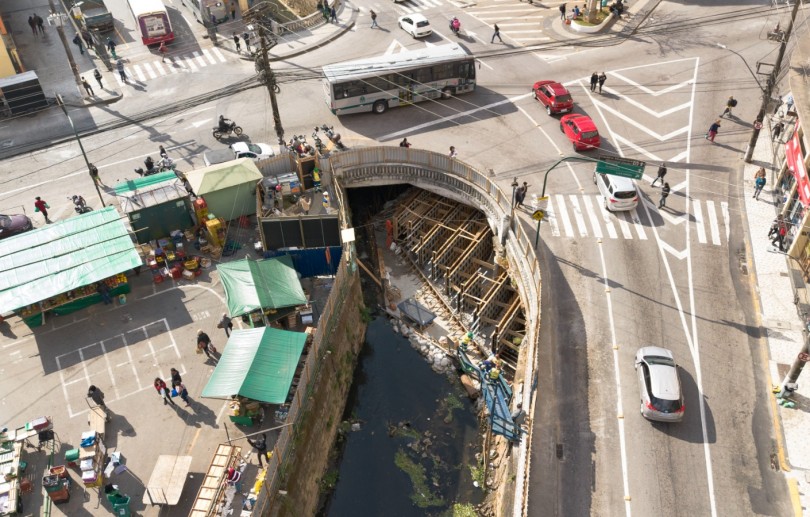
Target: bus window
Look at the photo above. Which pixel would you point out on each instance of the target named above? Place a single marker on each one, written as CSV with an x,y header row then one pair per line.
x,y
464,70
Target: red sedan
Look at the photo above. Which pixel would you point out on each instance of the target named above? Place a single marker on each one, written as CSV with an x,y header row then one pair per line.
x,y
554,96
581,130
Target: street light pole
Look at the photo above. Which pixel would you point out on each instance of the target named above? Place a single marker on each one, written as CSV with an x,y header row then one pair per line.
x,y
90,167
57,20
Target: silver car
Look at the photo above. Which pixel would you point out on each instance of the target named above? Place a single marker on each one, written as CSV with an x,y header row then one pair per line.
x,y
659,385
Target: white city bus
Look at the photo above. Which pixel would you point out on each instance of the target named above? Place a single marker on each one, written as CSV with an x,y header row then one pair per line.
x,y
383,82
152,20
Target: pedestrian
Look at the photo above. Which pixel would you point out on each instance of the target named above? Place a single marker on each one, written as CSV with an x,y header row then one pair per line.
x,y
404,143
562,11
104,291
759,182
236,42
163,391
713,129
96,395
305,203
120,66
225,323
204,344
333,16
97,75
602,79
40,205
176,377
180,389
662,171
453,153
664,193
731,103
594,81
519,417
78,42
246,38
111,48
40,23
87,87
777,130
496,34
520,194
775,225
163,49
33,23
88,39
233,478
326,11
260,446
373,19
162,152
233,10
779,238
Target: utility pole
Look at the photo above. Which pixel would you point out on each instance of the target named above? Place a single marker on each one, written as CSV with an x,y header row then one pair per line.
x,y
57,19
263,66
90,167
770,83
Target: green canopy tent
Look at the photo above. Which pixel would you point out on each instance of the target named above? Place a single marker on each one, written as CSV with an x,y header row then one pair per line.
x,y
229,188
261,284
258,364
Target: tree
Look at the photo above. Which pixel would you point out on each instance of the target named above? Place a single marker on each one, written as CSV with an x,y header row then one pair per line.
x,y
592,7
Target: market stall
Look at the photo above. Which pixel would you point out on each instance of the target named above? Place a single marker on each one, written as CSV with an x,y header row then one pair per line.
x,y
156,209
13,465
167,480
57,269
213,491
229,188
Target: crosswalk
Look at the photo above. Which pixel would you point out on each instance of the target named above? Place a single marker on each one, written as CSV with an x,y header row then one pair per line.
x,y
521,22
187,63
418,6
572,216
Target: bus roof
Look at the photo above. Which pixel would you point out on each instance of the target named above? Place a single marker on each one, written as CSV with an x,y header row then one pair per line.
x,y
371,67
146,6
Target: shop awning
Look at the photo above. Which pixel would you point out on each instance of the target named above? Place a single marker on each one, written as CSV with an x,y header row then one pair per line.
x,y
258,364
62,256
141,183
261,284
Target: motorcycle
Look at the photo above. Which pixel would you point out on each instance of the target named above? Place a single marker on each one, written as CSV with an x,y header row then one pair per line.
x,y
80,205
150,168
333,137
299,147
232,128
455,28
318,142
167,164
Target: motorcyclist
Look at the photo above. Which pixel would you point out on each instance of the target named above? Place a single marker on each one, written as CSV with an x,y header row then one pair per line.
x,y
166,163
149,162
455,24
79,201
225,124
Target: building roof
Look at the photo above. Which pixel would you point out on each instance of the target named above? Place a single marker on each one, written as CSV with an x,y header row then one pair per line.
x,y
224,175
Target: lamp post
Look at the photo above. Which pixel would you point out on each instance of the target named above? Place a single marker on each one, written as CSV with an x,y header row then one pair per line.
x,y
514,186
90,167
58,20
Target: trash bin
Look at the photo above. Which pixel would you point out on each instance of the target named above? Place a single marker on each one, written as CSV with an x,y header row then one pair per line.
x,y
121,506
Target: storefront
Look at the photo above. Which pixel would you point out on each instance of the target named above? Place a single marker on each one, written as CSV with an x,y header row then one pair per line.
x,y
58,269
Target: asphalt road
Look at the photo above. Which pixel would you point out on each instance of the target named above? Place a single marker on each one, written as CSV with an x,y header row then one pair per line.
x,y
612,283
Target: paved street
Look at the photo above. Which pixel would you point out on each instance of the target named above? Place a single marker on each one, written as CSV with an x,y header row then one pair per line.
x,y
612,281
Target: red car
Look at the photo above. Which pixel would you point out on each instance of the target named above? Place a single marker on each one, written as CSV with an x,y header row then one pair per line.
x,y
581,130
554,96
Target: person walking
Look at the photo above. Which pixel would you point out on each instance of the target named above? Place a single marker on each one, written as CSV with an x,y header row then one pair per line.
x,y
713,129
163,391
260,446
759,182
40,205
111,48
496,34
775,225
104,291
33,24
204,344
180,388
97,75
562,11
175,376
779,237
325,11
664,194
96,395
662,171
731,103
87,87
777,130
236,42
226,323
404,143
233,11
121,72
163,50
594,81
40,23
246,39
373,19
88,39
602,79
520,194
333,15
78,42
453,153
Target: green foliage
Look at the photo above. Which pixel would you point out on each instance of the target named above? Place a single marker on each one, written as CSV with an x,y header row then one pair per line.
x,y
422,496
477,472
365,314
450,404
329,481
464,510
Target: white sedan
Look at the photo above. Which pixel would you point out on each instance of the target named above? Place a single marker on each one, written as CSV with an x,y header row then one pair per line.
x,y
416,25
254,151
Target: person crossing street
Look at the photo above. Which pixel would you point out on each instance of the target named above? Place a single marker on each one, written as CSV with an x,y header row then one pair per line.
x,y
664,194
662,171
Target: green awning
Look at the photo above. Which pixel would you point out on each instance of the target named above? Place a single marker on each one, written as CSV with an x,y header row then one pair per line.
x,y
62,256
261,284
146,181
258,364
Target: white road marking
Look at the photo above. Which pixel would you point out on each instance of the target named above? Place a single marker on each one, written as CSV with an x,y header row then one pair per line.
x,y
138,73
624,227
200,58
219,55
632,216
606,218
597,230
701,232
190,66
583,230
148,68
724,210
552,219
569,230
211,59
713,223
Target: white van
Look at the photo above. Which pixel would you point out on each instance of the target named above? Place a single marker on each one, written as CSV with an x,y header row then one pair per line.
x,y
619,193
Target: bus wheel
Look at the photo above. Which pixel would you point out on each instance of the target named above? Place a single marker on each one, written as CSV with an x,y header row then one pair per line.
x,y
447,93
379,107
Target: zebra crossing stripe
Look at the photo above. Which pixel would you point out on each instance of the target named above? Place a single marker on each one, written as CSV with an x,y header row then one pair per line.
x,y
713,223
149,70
209,57
569,230
174,65
200,58
159,67
701,232
552,219
608,220
625,228
636,220
583,230
597,230
219,55
724,209
138,72
191,66
406,9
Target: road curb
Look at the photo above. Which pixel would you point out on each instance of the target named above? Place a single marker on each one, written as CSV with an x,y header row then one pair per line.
x,y
332,37
795,499
88,104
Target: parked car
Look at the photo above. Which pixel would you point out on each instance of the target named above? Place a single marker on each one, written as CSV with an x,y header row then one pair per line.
x,y
238,150
618,192
659,385
554,96
14,224
416,25
581,131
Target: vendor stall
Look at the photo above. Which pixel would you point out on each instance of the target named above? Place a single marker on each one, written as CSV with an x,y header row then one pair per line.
x,y
213,489
167,480
156,209
57,268
13,464
229,188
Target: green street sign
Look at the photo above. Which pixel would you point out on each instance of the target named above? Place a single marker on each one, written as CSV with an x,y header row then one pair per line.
x,y
616,166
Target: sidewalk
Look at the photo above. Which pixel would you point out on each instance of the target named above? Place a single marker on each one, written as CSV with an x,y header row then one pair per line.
x,y
635,12
297,43
772,273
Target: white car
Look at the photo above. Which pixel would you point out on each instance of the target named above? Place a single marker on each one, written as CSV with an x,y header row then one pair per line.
x,y
238,150
416,25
